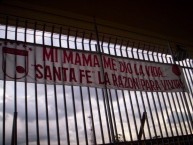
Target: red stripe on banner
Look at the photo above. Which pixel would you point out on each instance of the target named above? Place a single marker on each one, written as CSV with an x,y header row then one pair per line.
x,y
15,51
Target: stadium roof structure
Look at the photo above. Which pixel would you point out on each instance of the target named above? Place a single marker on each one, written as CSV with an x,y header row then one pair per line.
x,y
146,20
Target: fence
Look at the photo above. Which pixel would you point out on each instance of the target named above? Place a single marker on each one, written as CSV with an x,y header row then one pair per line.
x,y
41,113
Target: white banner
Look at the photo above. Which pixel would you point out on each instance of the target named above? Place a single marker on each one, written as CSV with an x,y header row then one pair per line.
x,y
43,64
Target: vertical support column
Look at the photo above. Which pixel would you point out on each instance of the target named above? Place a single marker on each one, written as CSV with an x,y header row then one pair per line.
x,y
64,92
45,89
55,93
15,89
106,97
26,104
36,95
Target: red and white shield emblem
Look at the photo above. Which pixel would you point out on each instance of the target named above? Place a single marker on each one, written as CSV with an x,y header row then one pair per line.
x,y
15,62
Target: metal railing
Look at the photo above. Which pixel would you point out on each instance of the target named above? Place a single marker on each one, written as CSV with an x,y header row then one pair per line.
x,y
67,114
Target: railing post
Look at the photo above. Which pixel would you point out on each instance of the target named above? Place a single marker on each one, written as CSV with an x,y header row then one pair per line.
x,y
144,117
13,139
185,100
